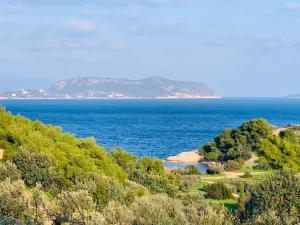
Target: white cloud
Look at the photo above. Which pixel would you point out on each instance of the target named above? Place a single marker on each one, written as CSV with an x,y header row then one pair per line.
x,y
163,27
83,26
119,45
60,45
57,44
293,6
17,6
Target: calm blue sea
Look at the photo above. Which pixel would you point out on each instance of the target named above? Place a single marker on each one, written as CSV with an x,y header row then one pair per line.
x,y
157,128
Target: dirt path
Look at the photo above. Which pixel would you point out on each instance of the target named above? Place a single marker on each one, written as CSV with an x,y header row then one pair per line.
x,y
230,175
277,131
252,161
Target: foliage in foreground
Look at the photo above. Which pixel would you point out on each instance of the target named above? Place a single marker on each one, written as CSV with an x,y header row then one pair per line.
x,y
277,195
48,176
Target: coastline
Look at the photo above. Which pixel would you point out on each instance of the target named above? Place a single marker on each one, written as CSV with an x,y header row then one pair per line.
x,y
124,98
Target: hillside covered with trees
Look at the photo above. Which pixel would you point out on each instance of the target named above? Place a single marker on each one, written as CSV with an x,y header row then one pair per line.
x,y
51,177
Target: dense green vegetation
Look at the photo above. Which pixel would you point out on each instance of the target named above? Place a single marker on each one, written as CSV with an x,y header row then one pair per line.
x,y
218,191
50,177
234,146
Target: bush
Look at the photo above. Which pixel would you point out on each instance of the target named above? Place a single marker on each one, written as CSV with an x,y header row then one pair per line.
x,y
188,170
124,159
218,191
212,156
150,165
117,214
231,165
237,144
189,182
279,153
75,206
191,170
247,174
164,183
213,171
158,210
279,193
289,135
35,168
273,218
134,190
207,214
13,200
9,170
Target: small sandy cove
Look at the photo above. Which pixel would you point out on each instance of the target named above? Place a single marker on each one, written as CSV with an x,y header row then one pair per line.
x,y
185,157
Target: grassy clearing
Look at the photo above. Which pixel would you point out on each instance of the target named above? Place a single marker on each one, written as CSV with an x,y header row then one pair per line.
x,y
257,176
230,204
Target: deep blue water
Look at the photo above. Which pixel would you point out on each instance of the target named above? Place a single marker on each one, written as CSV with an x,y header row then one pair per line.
x,y
157,128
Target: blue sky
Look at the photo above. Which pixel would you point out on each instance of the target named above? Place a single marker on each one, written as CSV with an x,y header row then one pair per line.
x,y
238,47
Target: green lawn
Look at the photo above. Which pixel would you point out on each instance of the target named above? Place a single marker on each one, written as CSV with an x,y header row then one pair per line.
x,y
228,203
257,176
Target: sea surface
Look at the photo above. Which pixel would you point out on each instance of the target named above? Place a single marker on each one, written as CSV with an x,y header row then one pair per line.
x,y
157,128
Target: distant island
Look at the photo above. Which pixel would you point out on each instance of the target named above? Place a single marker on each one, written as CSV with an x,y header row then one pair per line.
x,y
99,87
293,96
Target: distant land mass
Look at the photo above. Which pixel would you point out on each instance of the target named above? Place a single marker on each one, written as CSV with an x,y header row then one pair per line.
x,y
99,87
293,96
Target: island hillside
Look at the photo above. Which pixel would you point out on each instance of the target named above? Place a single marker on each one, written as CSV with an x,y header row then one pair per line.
x,y
99,87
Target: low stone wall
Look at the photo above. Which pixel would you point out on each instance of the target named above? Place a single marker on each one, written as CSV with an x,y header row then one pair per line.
x,y
212,164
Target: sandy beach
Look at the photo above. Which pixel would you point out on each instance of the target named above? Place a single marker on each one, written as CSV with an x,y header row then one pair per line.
x,y
185,157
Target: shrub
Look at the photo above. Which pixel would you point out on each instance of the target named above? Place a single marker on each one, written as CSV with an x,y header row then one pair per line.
x,y
247,174
124,159
117,214
191,170
207,214
289,135
212,156
237,144
150,165
165,183
75,206
190,199
13,200
35,168
262,166
218,191
273,218
134,190
189,181
279,153
213,171
279,193
9,170
158,210
188,170
231,165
